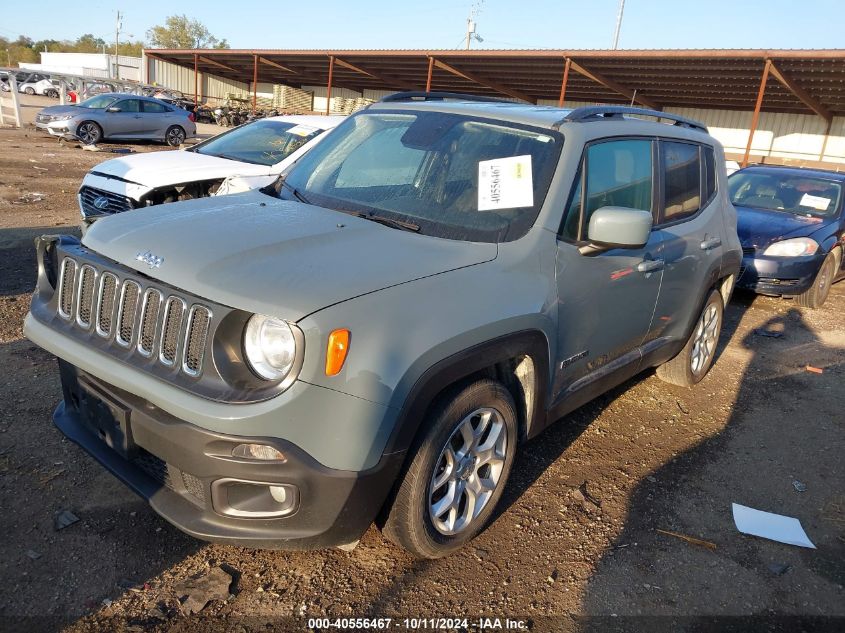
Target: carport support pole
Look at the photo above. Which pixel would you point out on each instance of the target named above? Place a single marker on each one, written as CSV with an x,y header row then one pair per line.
x,y
254,82
756,117
563,83
329,85
430,71
196,74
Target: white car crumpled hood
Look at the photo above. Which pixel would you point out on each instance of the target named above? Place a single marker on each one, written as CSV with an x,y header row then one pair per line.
x,y
136,175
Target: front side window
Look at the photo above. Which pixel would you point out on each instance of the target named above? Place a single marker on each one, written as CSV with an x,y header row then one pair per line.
x,y
154,108
454,176
612,174
129,105
681,180
100,102
796,194
262,142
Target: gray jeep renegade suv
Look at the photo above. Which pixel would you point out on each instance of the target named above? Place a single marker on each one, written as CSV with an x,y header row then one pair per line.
x,y
372,337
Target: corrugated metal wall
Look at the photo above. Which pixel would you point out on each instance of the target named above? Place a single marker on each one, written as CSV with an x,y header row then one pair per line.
x,y
787,136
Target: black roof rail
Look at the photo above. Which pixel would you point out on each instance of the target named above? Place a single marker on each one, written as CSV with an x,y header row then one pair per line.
x,y
412,95
597,113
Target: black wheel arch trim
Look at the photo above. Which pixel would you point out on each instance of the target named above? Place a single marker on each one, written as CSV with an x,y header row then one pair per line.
x,y
467,362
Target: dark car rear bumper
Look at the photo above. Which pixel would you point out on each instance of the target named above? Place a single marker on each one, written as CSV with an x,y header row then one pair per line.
x,y
779,275
182,470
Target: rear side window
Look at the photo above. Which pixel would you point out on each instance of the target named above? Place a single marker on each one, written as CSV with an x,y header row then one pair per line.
x,y
152,106
681,180
612,174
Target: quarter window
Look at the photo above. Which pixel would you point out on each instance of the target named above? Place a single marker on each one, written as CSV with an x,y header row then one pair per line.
x,y
681,180
709,172
618,174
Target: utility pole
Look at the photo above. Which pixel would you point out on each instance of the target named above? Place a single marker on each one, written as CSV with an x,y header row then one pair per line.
x,y
471,34
117,28
618,24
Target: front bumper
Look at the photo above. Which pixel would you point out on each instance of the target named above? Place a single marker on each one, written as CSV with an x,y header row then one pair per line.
x,y
61,129
779,275
178,468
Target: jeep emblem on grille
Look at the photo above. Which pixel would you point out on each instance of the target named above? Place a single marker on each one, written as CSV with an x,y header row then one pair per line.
x,y
101,203
153,261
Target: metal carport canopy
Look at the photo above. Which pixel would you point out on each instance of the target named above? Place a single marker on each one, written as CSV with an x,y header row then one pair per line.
x,y
808,81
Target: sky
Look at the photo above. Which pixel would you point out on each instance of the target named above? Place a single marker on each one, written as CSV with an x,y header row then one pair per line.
x,y
441,24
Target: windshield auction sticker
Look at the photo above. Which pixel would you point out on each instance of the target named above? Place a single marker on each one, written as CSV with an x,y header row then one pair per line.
x,y
815,202
505,183
301,130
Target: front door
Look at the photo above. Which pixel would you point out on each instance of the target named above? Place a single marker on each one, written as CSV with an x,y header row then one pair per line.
x,y
606,300
127,122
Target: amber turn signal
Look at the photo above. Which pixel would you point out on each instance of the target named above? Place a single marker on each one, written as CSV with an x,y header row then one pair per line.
x,y
336,351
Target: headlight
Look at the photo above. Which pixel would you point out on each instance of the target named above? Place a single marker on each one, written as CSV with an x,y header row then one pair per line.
x,y
270,347
64,117
795,247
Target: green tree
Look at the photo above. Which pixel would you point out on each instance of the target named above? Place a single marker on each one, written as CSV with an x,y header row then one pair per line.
x,y
87,44
181,32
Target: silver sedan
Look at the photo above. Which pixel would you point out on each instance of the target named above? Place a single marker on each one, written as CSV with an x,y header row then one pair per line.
x,y
118,116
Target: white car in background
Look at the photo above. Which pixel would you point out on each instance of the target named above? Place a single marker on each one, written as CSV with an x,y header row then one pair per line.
x,y
247,157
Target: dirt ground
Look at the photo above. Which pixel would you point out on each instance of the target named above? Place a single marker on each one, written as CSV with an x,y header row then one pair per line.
x,y
575,546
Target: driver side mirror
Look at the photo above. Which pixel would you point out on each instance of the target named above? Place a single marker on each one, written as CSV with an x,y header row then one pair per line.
x,y
112,109
619,227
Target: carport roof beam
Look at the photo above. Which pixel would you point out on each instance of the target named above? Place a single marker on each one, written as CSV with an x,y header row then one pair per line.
x,y
615,87
208,60
487,83
270,62
806,98
385,79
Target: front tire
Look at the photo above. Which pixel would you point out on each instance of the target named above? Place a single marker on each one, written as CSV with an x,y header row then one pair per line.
x,y
29,91
174,136
694,361
458,471
817,294
89,133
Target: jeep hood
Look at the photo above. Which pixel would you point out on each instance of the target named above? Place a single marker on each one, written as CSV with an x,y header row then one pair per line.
x,y
157,169
275,257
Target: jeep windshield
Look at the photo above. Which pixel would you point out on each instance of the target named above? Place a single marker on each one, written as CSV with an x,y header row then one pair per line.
x,y
454,176
798,195
261,143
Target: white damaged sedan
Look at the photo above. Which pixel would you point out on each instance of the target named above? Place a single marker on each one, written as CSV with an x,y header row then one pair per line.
x,y
250,156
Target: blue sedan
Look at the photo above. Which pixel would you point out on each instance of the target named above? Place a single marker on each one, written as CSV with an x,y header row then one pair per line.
x,y
792,229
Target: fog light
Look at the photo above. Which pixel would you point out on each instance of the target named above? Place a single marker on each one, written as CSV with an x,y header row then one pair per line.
x,y
253,499
258,451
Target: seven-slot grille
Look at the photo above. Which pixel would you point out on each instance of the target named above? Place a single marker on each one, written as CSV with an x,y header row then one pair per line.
x,y
168,327
109,202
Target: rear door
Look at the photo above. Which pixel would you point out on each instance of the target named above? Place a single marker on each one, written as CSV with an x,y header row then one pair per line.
x,y
606,299
691,229
157,117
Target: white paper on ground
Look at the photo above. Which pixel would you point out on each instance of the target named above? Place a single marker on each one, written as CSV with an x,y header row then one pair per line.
x,y
775,527
505,183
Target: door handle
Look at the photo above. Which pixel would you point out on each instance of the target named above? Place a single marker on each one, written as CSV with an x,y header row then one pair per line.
x,y
650,265
710,244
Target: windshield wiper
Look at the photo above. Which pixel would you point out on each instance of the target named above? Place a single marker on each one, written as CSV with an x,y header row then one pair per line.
x,y
294,191
397,224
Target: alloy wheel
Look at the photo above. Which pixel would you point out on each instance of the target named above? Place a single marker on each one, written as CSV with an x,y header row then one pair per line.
x,y
706,338
468,471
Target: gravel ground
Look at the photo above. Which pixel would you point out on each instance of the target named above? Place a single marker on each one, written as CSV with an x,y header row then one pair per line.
x,y
575,546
